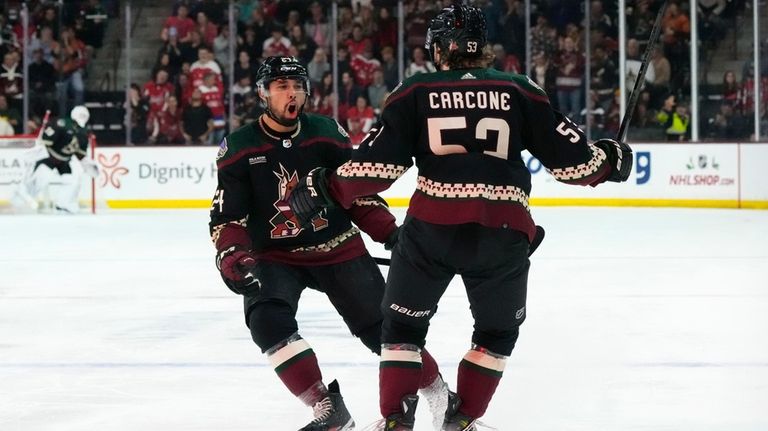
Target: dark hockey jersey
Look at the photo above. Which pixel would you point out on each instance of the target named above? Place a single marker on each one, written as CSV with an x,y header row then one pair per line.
x,y
65,139
257,170
466,129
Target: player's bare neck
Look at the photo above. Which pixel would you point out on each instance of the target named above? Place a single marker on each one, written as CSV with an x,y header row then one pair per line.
x,y
277,127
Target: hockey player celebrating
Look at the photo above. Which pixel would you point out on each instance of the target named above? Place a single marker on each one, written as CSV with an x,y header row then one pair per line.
x,y
264,255
465,125
66,138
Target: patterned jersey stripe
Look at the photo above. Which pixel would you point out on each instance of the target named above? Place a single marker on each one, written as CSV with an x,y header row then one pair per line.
x,y
387,171
576,174
470,191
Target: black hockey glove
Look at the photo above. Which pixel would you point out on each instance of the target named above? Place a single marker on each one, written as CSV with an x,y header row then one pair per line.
x,y
620,158
236,266
310,197
389,244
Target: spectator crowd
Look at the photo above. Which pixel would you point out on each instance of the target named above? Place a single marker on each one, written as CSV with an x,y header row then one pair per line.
x,y
186,99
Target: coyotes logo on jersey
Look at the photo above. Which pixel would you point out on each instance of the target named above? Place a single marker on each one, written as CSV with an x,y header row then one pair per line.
x,y
284,224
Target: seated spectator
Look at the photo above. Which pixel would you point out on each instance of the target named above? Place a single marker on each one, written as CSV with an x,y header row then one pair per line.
x,y
505,62
139,109
342,59
386,34
363,66
172,50
250,110
389,67
357,43
190,50
318,66
42,84
244,66
197,121
181,25
544,73
213,97
727,124
208,30
202,67
419,63
662,75
277,44
251,44
570,73
604,77
12,80
241,88
303,43
166,124
10,118
157,91
674,118
730,89
360,117
377,91
46,42
221,49
348,92
317,26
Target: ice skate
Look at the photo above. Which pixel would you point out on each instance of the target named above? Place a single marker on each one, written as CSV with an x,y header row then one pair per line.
x,y
330,413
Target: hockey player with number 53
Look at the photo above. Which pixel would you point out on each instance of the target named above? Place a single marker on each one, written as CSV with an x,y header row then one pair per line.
x,y
465,125
264,255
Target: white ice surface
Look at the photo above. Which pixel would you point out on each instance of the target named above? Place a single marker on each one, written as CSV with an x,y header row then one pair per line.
x,y
638,319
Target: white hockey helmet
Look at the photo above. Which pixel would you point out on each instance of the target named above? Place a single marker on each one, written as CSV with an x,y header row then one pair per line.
x,y
80,115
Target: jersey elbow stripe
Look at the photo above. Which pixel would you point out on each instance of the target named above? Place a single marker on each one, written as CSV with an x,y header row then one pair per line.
x,y
387,171
582,171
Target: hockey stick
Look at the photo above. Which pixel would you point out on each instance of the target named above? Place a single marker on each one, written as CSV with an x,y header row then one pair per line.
x,y
538,237
635,95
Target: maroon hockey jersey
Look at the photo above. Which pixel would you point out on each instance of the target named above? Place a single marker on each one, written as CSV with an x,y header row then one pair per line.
x,y
465,129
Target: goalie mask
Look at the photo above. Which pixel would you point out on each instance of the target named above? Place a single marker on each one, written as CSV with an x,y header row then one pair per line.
x,y
80,115
457,30
275,68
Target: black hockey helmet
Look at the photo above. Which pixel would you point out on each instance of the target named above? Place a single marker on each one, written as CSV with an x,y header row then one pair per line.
x,y
276,68
281,67
457,28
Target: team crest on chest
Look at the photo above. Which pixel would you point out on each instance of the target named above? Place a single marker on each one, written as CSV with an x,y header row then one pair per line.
x,y
284,224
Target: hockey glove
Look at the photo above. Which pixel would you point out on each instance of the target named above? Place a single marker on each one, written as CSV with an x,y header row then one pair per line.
x,y
311,196
389,244
236,266
89,167
619,156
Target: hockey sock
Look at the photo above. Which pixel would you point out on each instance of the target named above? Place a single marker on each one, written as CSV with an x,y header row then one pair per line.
x,y
399,375
295,363
429,369
479,374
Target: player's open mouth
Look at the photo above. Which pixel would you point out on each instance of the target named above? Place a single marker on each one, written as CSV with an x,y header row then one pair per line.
x,y
292,109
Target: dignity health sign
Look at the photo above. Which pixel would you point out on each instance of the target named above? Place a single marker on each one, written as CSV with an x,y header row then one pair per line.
x,y
707,175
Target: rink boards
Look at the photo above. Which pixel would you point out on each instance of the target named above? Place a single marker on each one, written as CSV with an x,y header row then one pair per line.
x,y
731,175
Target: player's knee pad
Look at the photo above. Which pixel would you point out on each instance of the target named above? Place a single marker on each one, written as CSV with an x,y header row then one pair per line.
x,y
371,337
395,332
501,342
270,322
41,179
